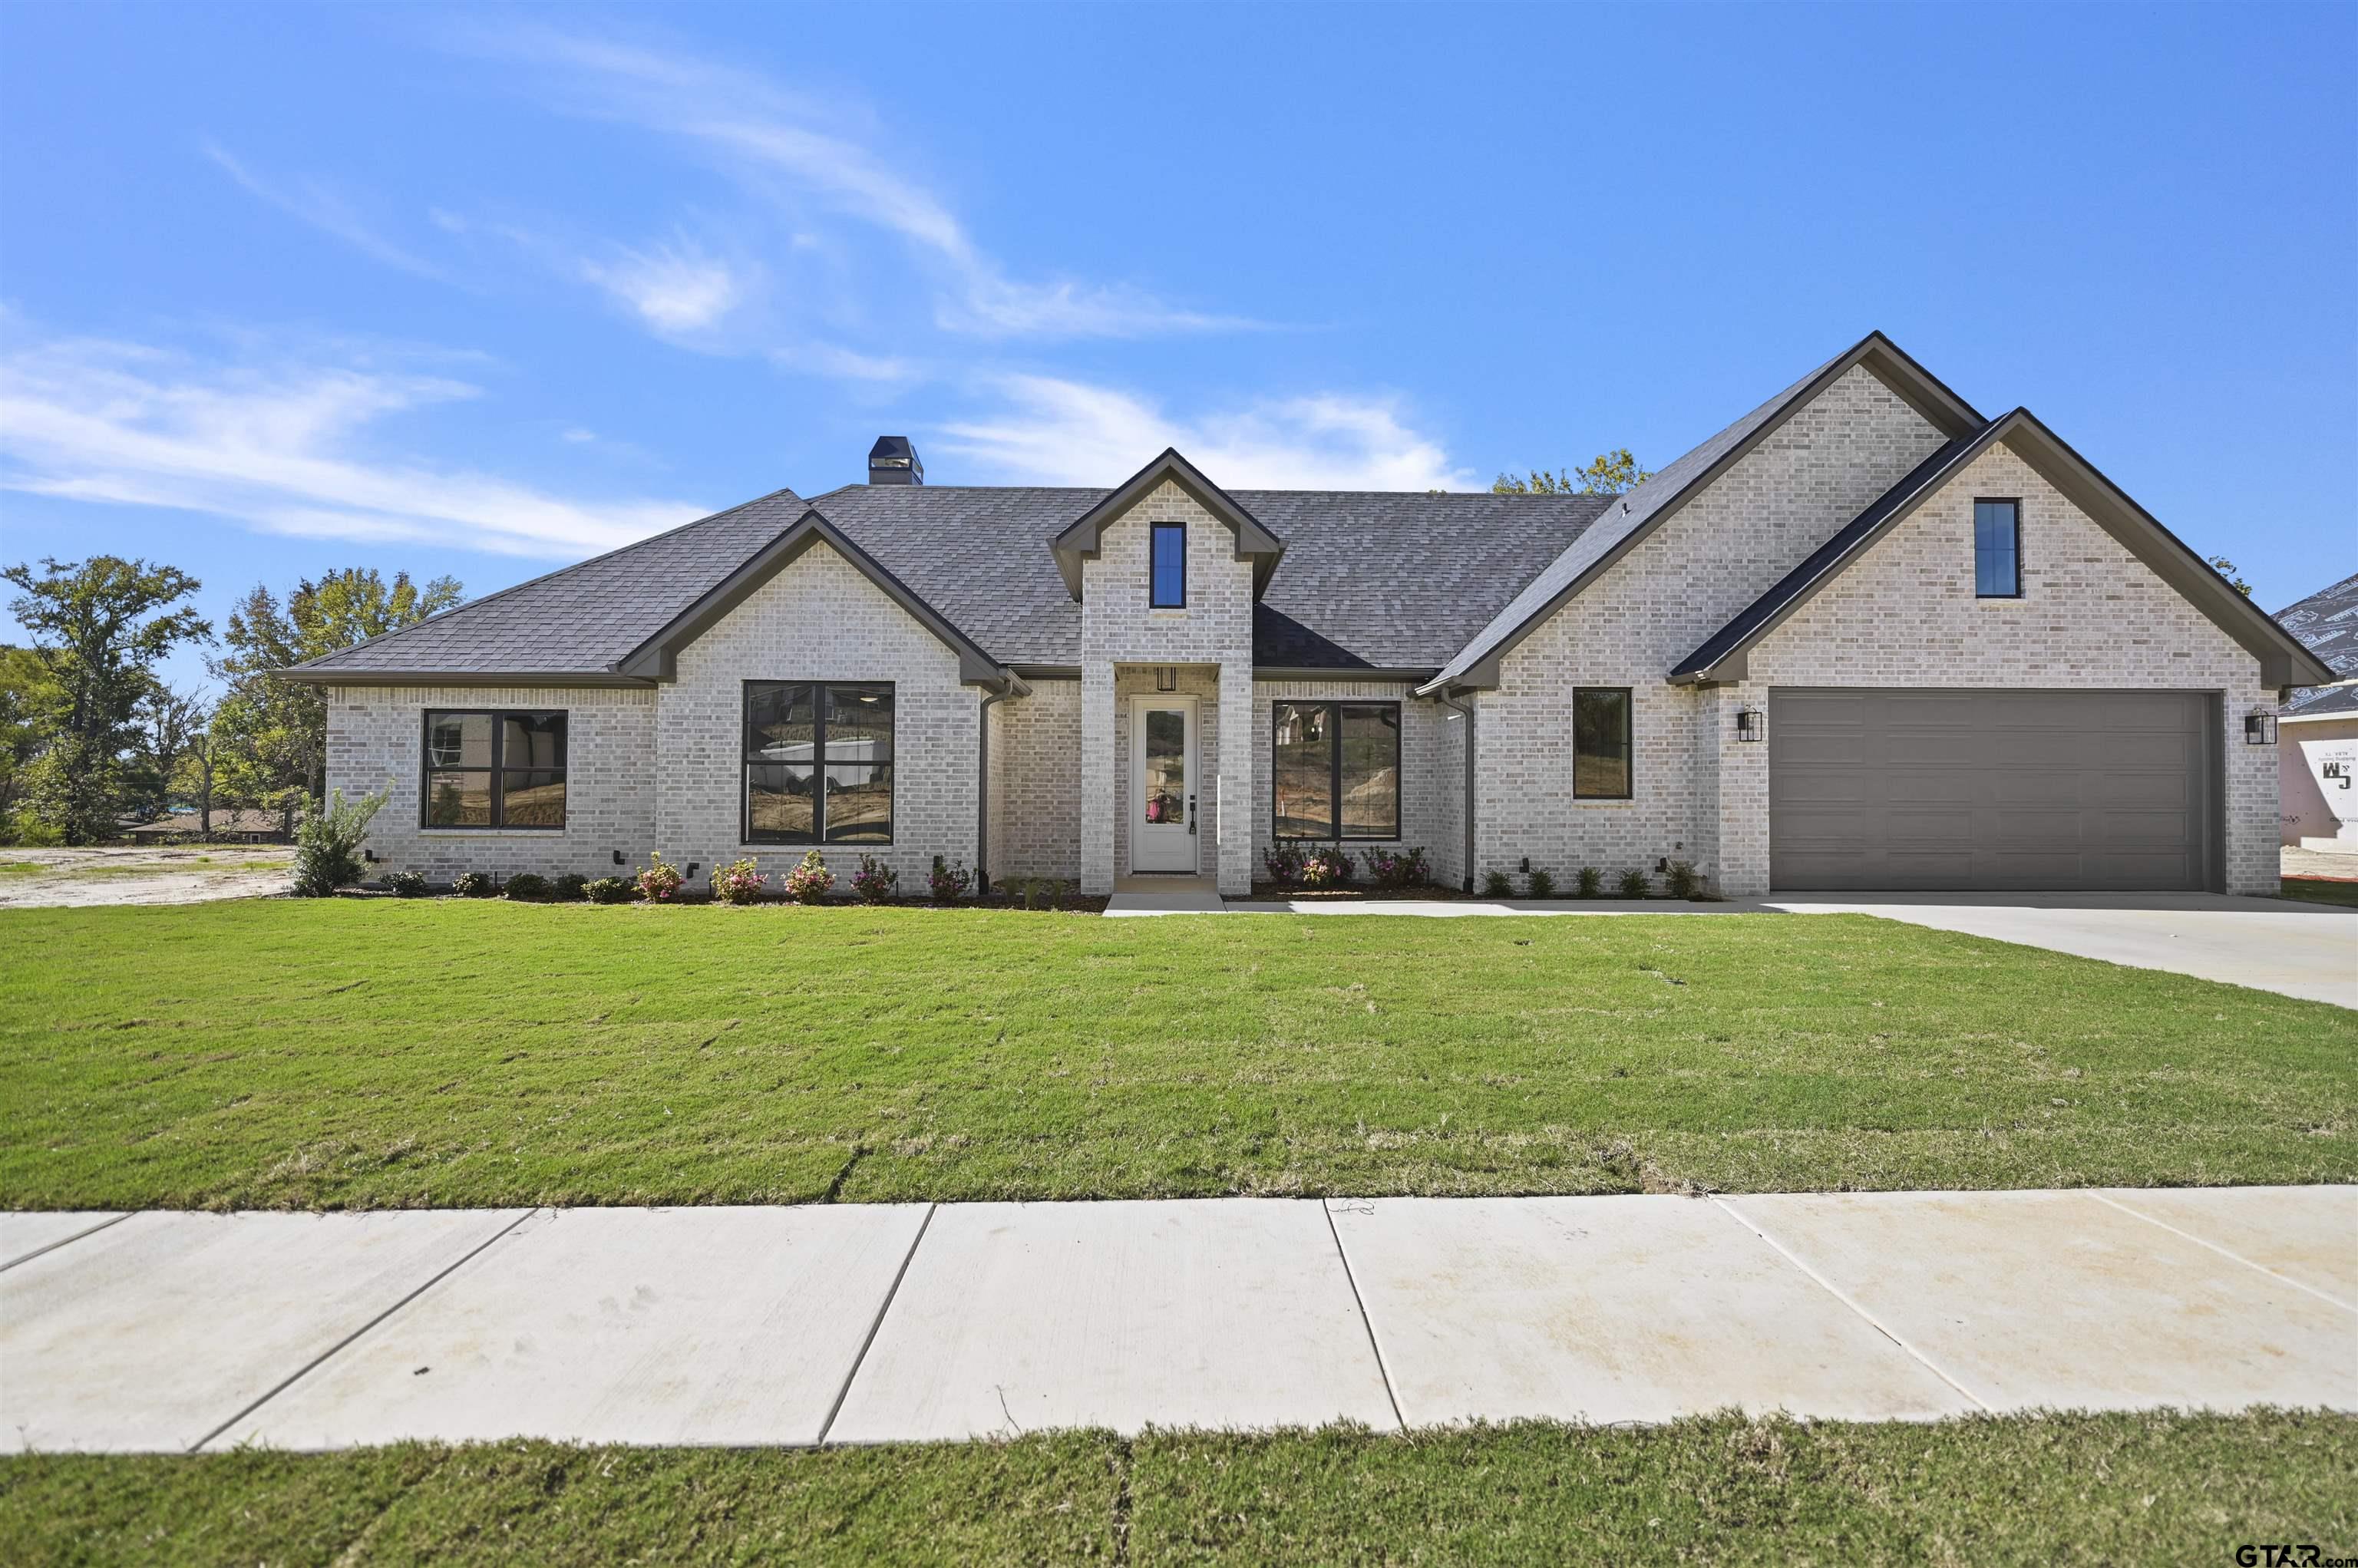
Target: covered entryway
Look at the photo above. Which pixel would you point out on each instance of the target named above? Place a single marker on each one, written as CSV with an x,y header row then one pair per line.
x,y
1163,828
1991,790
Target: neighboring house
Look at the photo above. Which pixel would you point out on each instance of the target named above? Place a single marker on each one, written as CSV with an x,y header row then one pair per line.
x,y
2317,744
1864,637
243,826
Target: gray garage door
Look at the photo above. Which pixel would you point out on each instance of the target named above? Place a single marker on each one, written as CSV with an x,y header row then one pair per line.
x,y
1989,790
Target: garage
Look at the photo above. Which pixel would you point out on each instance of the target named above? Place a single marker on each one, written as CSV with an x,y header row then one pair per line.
x,y
1981,790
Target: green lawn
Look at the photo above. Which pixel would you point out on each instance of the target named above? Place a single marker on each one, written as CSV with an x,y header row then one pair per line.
x,y
2112,1489
381,1052
2320,890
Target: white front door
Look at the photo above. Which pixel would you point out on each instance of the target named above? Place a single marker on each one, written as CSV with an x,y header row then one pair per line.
x,y
1162,764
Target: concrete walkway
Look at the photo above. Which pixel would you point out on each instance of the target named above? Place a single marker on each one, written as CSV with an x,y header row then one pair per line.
x,y
862,1323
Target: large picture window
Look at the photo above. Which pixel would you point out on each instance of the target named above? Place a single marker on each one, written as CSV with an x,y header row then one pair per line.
x,y
818,762
485,768
1335,768
1600,742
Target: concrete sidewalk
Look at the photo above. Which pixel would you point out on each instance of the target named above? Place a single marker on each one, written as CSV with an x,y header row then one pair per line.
x,y
862,1323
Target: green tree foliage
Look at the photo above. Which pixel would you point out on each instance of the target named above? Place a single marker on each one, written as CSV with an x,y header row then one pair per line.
x,y
271,735
99,627
24,693
2226,568
1607,473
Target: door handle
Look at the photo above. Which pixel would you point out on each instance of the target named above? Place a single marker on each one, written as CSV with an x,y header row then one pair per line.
x,y
1191,814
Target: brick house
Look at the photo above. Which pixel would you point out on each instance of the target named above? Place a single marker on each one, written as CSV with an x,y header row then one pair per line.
x,y
1864,637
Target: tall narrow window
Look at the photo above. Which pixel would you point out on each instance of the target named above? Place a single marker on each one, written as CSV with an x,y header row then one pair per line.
x,y
1334,770
1997,549
1600,742
1169,552
818,762
487,768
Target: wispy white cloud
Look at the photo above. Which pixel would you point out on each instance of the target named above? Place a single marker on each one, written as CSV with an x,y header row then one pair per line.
x,y
278,446
1047,430
674,288
323,206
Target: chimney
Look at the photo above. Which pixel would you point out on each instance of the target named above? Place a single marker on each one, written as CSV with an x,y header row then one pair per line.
x,y
891,461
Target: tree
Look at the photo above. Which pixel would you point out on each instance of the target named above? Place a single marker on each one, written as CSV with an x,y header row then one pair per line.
x,y
100,627
2226,568
1607,473
24,693
272,734
198,773
168,723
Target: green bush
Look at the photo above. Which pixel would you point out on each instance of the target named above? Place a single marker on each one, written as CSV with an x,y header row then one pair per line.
x,y
1496,884
328,844
527,887
611,889
1592,881
1542,884
476,885
408,884
1636,884
1680,880
568,888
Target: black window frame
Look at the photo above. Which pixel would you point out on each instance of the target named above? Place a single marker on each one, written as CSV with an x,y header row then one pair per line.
x,y
1629,696
1153,535
816,839
2015,502
1334,771
426,769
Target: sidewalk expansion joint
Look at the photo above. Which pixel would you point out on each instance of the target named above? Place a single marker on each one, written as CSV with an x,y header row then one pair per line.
x,y
876,1324
2237,1257
317,1361
64,1242
1326,1206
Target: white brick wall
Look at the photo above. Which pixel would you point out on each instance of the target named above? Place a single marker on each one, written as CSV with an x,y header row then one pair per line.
x,y
377,741
1035,789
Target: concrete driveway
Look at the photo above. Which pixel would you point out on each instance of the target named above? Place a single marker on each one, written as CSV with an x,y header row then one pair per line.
x,y
2303,950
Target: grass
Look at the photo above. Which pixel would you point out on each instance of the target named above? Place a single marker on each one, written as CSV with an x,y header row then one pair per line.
x,y
383,1053
2072,1488
2320,890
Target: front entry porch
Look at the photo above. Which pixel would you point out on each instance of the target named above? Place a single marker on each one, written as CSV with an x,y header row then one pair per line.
x,y
1166,770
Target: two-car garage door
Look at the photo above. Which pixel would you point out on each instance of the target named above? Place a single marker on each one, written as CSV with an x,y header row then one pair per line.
x,y
1993,790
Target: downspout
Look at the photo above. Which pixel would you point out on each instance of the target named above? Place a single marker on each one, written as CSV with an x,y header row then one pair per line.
x,y
1466,710
1010,687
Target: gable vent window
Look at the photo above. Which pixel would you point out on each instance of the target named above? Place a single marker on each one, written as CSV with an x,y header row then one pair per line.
x,y
1169,566
818,762
487,768
1997,549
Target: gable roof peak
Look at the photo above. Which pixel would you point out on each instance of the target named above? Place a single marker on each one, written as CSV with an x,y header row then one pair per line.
x,y
1079,541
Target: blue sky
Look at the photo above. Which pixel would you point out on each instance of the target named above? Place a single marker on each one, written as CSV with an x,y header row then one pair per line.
x,y
484,290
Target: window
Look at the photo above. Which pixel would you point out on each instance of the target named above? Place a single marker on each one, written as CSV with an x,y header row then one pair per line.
x,y
818,762
1997,549
1327,753
1600,742
1168,563
494,770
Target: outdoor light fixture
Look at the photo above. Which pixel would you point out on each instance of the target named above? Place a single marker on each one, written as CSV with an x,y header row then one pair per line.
x,y
1166,678
2259,727
618,857
1748,724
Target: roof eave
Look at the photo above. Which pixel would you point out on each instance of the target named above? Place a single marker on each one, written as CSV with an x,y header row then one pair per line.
x,y
312,673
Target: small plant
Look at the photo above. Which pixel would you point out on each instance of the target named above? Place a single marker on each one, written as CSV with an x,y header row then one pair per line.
x,y
739,881
948,882
874,882
1496,884
567,889
659,881
1327,868
1680,880
527,887
810,881
476,885
328,844
407,884
1058,889
1591,883
1542,883
611,889
1636,884
1283,862
1397,868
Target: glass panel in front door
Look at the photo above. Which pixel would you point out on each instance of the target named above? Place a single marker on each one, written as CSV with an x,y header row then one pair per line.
x,y
1166,766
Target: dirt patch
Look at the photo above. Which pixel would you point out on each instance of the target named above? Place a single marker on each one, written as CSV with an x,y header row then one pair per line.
x,y
2319,865
58,879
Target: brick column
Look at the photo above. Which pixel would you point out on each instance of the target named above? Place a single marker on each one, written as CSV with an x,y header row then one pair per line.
x,y
1743,848
1096,777
1236,780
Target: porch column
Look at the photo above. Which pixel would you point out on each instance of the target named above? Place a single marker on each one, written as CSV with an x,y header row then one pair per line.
x,y
1236,781
1742,792
1096,778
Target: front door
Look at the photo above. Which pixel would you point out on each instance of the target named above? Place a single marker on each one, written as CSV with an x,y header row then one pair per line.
x,y
1162,807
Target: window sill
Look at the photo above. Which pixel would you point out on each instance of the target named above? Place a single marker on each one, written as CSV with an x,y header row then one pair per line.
x,y
868,847
1622,802
490,832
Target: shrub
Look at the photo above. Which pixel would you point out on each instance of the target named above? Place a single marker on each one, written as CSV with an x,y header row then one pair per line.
x,y
659,880
1327,866
1397,868
1680,880
1592,881
408,884
568,888
527,887
1283,863
738,882
1542,884
328,844
1636,884
809,882
476,885
948,883
874,882
1495,884
611,889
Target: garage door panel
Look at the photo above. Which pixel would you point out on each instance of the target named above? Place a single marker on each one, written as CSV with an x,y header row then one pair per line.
x,y
2033,790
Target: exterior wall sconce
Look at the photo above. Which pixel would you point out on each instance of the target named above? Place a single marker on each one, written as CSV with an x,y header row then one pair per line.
x,y
1166,678
2259,727
1748,725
